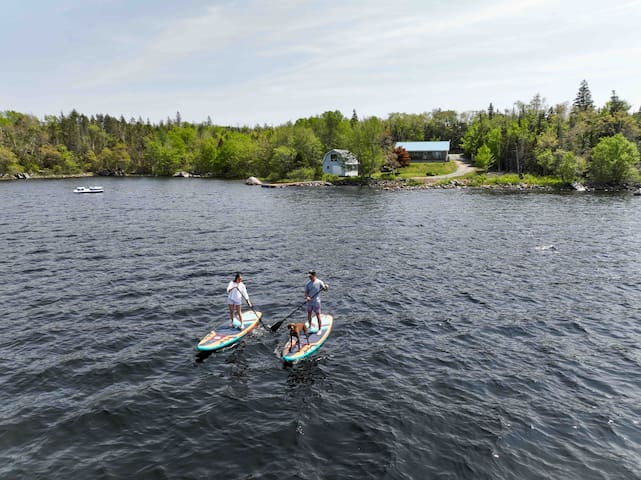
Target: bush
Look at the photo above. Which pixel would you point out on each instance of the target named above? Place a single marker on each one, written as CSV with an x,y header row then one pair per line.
x,y
331,178
513,179
301,174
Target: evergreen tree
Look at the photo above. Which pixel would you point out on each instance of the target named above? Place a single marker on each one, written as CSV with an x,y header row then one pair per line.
x,y
354,120
616,104
583,101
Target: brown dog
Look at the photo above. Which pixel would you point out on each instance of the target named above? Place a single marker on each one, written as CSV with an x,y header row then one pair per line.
x,y
294,332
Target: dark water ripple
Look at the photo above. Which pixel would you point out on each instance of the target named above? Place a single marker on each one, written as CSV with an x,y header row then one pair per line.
x,y
478,335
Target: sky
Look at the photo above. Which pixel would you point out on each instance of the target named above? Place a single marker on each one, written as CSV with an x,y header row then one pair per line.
x,y
257,62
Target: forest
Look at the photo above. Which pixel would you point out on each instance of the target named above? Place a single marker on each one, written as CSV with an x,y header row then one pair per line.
x,y
577,141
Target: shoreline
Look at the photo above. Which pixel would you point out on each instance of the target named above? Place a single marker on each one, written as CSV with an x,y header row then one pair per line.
x,y
427,183
60,176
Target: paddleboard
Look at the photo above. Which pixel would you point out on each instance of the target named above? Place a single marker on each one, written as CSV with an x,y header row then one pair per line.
x,y
315,341
226,335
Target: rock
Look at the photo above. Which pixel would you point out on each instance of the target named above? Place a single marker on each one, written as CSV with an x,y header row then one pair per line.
x,y
111,173
253,181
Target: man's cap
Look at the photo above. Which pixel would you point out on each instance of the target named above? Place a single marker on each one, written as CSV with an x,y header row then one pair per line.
x,y
312,272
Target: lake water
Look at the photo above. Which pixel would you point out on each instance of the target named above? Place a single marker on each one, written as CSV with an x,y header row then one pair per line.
x,y
478,335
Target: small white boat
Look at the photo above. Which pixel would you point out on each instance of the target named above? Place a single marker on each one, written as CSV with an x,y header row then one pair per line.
x,y
94,189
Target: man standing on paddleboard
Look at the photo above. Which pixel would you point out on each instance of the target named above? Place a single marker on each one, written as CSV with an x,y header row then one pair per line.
x,y
236,292
312,294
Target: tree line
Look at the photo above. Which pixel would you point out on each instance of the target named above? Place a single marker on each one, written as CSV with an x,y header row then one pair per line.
x,y
75,143
572,143
563,141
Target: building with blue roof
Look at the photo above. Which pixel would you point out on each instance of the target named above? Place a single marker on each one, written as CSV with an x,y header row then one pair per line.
x,y
426,151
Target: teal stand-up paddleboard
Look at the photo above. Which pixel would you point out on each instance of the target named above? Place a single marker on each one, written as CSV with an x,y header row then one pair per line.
x,y
226,335
298,352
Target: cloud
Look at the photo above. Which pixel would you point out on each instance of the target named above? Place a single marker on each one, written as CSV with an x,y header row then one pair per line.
x,y
259,62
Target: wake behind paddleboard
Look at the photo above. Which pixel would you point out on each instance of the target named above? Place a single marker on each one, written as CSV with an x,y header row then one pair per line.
x,y
226,335
315,341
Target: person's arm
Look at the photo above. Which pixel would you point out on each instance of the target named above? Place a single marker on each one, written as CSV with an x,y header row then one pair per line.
x,y
243,290
231,286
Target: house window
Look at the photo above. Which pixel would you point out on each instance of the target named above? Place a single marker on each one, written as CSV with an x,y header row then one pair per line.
x,y
333,157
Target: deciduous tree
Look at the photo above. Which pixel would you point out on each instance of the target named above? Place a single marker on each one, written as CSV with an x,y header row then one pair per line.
x,y
402,156
613,160
9,162
366,145
484,158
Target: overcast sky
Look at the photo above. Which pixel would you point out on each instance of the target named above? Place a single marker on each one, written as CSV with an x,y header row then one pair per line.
x,y
248,62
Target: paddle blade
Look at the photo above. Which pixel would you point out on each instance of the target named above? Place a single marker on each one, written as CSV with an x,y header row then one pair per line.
x,y
277,325
263,324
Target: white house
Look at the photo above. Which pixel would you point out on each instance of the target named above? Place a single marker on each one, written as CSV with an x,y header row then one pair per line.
x,y
342,163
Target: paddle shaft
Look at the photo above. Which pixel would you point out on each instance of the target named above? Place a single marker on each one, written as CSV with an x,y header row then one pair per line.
x,y
260,317
277,325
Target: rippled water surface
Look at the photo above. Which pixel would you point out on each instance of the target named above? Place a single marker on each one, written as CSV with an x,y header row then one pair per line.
x,y
478,335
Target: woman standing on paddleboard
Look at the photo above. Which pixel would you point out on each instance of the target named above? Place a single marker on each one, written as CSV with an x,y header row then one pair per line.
x,y
236,292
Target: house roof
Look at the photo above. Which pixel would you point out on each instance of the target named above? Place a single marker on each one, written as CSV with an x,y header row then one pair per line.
x,y
348,157
425,146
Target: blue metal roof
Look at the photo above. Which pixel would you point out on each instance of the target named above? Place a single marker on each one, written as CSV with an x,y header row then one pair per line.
x,y
425,146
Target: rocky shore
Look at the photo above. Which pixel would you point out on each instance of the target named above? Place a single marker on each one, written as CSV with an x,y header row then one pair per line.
x,y
456,184
36,176
398,185
391,185
386,185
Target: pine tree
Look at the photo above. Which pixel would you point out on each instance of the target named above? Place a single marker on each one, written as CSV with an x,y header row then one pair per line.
x,y
616,104
583,101
354,120
490,111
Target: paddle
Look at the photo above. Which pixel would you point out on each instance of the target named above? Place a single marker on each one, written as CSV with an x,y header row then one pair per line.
x,y
260,317
277,325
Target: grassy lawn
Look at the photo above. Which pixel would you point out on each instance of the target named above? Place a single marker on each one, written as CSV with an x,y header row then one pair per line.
x,y
428,169
513,179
